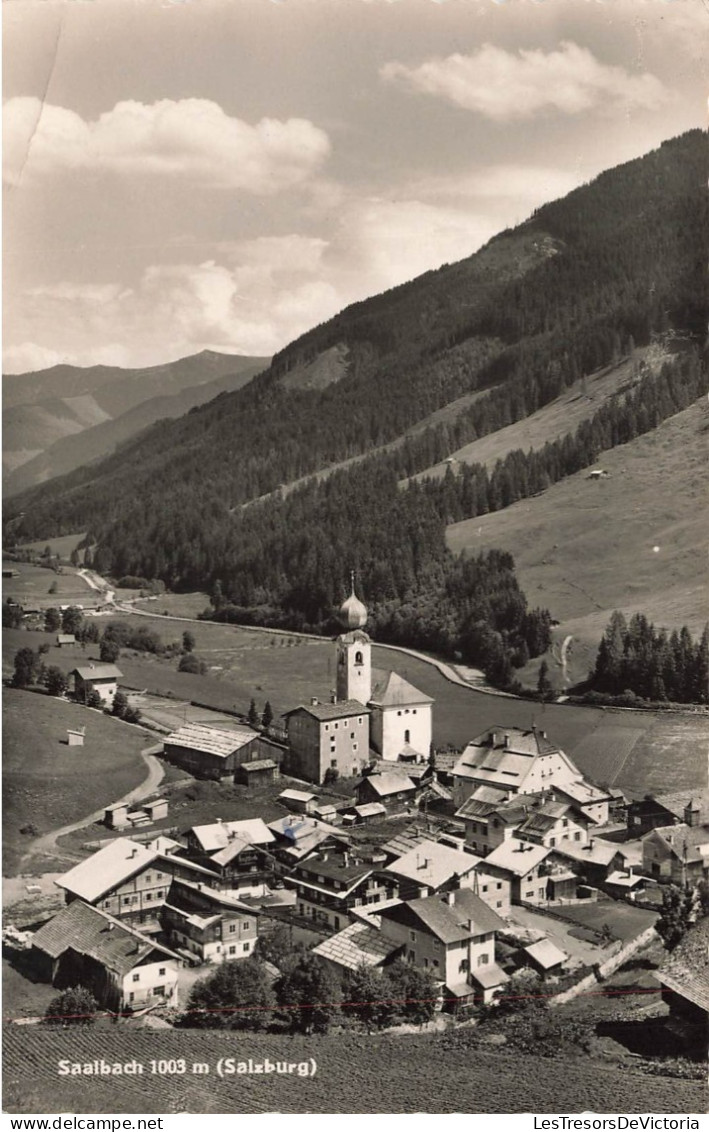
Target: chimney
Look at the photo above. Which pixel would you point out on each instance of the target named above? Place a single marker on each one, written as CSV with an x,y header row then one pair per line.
x,y
543,734
133,853
591,842
333,696
450,898
692,813
346,859
313,701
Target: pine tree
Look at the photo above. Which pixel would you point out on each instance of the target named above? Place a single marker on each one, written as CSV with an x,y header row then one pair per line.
x,y
544,688
253,716
267,717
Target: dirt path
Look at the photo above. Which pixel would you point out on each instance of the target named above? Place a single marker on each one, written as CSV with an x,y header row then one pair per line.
x,y
564,650
46,844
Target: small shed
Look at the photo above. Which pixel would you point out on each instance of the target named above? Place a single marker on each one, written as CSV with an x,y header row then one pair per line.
x,y
157,809
116,816
298,801
64,639
545,957
370,811
257,772
327,812
75,736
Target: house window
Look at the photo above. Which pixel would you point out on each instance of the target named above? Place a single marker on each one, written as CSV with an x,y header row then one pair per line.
x,y
354,746
407,736
247,946
359,720
336,727
333,762
352,734
434,962
131,996
232,928
499,884
413,711
148,896
345,722
485,887
162,970
246,925
483,959
136,978
398,713
463,966
147,877
499,904
529,895
159,992
327,726
412,937
232,950
160,892
337,921
126,899
359,659
577,836
552,842
412,957
565,822
425,962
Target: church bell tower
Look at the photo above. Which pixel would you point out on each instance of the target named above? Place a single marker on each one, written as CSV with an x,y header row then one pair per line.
x,y
354,652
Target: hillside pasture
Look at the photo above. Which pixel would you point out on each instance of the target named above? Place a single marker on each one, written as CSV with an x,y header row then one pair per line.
x,y
356,1073
243,664
60,544
31,587
562,416
629,541
46,783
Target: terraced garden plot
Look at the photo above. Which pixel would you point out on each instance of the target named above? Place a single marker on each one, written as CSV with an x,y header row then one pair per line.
x,y
355,1074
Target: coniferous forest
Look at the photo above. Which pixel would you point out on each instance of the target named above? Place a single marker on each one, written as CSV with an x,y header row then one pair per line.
x,y
652,664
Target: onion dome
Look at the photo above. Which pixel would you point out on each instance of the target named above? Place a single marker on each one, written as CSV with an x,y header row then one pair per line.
x,y
353,612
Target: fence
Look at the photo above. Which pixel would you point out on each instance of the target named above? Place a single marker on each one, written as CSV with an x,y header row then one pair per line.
x,y
603,970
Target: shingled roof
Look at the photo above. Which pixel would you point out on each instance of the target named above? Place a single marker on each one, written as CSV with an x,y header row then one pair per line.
x,y
325,712
686,972
92,932
211,740
356,946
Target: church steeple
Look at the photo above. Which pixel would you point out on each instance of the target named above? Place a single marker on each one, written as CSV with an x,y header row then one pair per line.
x,y
353,612
354,651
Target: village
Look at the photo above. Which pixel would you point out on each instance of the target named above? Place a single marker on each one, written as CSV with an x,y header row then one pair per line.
x,y
473,867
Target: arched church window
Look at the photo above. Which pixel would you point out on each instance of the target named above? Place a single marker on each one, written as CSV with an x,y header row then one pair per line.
x,y
407,736
359,659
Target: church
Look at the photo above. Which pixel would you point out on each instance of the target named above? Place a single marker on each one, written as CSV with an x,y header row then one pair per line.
x,y
372,714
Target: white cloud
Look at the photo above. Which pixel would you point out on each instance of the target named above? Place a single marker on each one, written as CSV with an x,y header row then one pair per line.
x,y
253,297
504,86
192,138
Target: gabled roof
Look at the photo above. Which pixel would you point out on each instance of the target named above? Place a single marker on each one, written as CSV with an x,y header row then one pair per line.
x,y
388,783
686,971
112,865
211,740
326,712
687,842
296,796
582,791
517,857
676,803
546,953
90,931
218,835
356,946
97,672
597,850
404,841
434,864
448,922
391,690
370,810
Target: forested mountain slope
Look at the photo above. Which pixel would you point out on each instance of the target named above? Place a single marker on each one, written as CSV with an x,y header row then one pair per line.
x,y
560,296
616,265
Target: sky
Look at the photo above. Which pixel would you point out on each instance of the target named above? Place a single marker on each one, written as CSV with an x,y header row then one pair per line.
x,y
182,175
